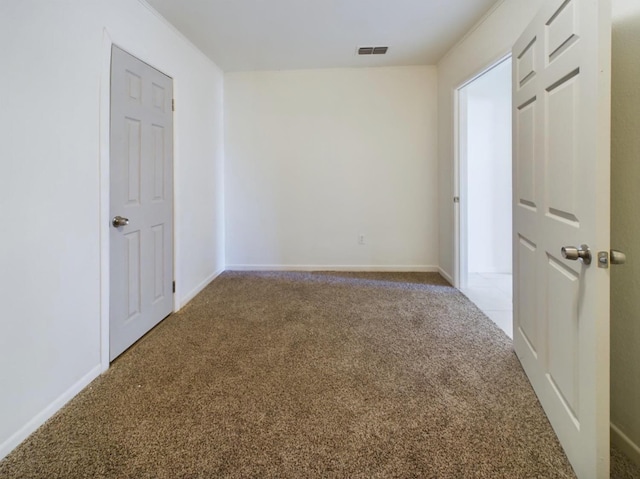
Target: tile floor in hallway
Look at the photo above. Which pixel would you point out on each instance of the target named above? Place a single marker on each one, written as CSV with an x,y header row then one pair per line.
x,y
492,293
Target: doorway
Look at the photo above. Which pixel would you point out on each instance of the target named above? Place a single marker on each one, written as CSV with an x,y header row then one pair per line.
x,y
485,249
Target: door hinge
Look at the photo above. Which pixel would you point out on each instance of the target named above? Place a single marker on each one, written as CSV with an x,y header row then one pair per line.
x,y
174,286
173,104
456,199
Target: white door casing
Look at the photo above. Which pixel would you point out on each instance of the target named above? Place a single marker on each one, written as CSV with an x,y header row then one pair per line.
x,y
561,146
141,190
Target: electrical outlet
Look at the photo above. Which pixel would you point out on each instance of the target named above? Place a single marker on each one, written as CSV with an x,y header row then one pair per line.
x,y
360,239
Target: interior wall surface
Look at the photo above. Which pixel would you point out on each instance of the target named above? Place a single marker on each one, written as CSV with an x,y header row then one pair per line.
x,y
332,169
625,228
54,151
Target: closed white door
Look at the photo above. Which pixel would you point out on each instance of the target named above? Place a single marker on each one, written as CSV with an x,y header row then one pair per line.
x,y
561,112
141,239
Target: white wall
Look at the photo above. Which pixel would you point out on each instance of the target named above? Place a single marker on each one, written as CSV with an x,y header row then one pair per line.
x,y
54,103
488,171
315,158
625,227
491,40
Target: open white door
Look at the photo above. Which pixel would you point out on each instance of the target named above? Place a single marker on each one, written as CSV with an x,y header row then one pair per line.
x,y
561,128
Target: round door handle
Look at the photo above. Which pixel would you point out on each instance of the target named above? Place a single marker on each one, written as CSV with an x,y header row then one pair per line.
x,y
118,221
618,257
574,254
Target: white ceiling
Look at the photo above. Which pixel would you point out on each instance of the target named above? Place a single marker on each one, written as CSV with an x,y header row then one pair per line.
x,y
296,34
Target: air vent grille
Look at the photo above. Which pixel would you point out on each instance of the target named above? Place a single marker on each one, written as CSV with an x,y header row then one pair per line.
x,y
365,50
372,50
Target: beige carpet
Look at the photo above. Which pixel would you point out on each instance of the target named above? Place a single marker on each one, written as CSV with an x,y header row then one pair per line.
x,y
307,375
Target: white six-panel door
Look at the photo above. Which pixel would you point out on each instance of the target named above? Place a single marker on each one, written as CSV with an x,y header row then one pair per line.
x,y
561,117
141,178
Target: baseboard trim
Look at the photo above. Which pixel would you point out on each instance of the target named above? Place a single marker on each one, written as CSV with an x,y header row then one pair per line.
x,y
355,268
625,444
43,416
194,292
446,275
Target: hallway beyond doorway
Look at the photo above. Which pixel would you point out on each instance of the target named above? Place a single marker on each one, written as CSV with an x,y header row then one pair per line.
x,y
492,294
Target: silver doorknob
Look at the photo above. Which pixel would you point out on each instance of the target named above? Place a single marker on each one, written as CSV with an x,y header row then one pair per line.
x,y
118,221
573,253
618,257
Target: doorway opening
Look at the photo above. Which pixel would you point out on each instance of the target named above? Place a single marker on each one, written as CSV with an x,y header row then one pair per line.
x,y
485,193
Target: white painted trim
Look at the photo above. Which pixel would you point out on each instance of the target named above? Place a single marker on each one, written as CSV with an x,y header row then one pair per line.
x,y
194,292
458,152
343,268
625,444
445,275
43,416
104,188
176,201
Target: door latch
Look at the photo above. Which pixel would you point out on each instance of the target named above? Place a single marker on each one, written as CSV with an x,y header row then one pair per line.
x,y
617,257
603,259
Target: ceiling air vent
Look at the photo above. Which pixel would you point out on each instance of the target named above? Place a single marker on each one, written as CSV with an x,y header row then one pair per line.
x,y
365,50
372,50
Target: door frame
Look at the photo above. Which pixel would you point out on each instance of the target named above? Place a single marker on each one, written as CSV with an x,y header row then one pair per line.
x,y
105,185
460,223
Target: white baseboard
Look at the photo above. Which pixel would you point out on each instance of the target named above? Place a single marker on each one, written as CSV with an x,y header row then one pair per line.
x,y
446,275
625,444
39,419
194,292
344,268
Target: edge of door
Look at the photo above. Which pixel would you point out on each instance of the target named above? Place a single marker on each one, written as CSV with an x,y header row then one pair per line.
x,y
108,42
459,173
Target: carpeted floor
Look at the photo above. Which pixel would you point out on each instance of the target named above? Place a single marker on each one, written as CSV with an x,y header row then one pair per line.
x,y
307,375
622,467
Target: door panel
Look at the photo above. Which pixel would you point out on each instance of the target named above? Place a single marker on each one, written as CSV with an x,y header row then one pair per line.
x,y
158,262
526,300
158,156
562,108
561,101
133,151
525,118
141,252
131,260
562,351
